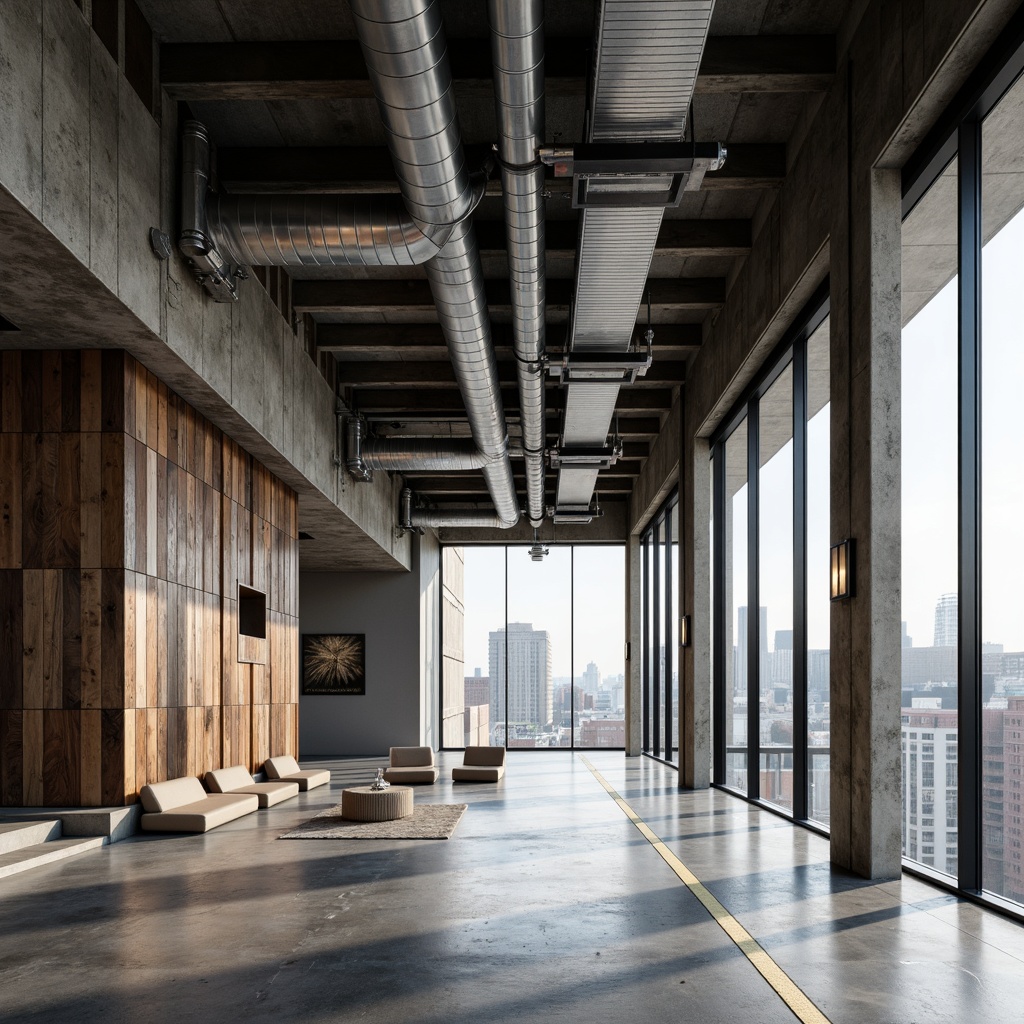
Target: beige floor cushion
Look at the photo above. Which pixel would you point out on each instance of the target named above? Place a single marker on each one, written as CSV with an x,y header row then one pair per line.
x,y
182,805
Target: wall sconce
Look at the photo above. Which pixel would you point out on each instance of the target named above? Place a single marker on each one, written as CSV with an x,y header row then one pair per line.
x,y
842,570
684,631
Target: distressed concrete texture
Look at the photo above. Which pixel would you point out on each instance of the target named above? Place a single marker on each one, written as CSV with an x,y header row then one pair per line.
x,y
85,172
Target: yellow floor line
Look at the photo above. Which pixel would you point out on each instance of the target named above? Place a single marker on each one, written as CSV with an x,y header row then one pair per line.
x,y
790,993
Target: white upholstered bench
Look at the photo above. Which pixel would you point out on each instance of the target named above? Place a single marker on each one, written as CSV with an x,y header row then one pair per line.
x,y
237,779
182,805
287,769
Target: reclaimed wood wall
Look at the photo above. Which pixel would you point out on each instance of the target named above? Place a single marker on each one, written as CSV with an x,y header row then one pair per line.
x,y
127,522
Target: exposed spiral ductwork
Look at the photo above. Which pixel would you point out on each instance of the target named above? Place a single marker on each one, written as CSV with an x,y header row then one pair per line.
x,y
404,48
517,52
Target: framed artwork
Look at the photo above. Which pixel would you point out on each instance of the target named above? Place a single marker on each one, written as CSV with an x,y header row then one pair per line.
x,y
333,663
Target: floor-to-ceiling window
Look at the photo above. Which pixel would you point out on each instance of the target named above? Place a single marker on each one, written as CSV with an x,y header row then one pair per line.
x,y
542,642
659,570
770,526
963,489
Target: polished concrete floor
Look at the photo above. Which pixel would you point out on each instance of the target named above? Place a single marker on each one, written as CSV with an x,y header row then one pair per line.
x,y
547,905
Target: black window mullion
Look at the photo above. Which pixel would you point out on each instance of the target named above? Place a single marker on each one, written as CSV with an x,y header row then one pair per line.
x,y
720,611
969,603
800,758
646,639
656,643
753,609
669,652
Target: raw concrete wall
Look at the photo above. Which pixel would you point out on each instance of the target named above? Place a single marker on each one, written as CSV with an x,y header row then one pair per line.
x,y
85,172
399,613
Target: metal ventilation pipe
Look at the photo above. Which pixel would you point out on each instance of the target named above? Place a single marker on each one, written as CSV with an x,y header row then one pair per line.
x,y
411,519
403,45
407,454
325,231
517,53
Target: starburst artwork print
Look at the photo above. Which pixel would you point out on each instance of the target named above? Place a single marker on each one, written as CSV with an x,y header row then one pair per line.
x,y
334,663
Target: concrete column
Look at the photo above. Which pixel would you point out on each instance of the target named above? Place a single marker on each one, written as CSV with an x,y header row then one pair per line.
x,y
695,601
865,424
634,663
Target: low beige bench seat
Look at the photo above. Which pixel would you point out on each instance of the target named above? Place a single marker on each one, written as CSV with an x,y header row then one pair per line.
x,y
182,805
411,764
480,764
237,780
286,769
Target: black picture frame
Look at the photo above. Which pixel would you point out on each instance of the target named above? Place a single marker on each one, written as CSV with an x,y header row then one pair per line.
x,y
333,664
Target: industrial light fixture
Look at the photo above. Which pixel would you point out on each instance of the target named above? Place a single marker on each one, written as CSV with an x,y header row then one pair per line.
x,y
684,631
842,570
538,551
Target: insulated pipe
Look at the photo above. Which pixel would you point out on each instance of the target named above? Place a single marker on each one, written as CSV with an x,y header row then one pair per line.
x,y
517,53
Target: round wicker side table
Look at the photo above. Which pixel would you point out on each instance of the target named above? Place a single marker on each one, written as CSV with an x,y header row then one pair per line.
x,y
363,803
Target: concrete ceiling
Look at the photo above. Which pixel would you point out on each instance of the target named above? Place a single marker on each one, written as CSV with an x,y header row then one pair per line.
x,y
377,339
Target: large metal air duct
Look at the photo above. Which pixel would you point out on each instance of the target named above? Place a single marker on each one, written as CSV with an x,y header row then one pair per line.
x,y
517,53
403,45
648,53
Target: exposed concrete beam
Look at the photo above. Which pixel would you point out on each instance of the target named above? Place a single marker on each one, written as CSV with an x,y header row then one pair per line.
x,y
440,375
423,401
335,69
348,170
340,298
425,341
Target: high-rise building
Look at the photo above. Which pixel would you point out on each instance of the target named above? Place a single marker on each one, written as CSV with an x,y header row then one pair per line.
x,y
591,678
930,785
527,652
740,681
946,621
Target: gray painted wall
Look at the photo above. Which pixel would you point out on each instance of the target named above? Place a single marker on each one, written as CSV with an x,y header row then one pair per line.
x,y
399,613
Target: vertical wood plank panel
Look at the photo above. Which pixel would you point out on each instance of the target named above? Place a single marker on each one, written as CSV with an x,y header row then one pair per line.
x,y
70,392
12,641
10,500
92,638
91,515
91,391
70,680
10,392
113,740
11,759
62,755
113,656
152,647
31,392
50,381
112,399
152,516
91,758
113,501
129,756
130,641
162,647
32,758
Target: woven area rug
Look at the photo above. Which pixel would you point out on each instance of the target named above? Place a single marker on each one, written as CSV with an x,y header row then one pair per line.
x,y
427,821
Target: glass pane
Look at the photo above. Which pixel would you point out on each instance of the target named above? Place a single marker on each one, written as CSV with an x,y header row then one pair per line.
x,y
930,527
1002,497
658,688
818,604
775,586
672,682
484,607
454,682
599,637
734,714
539,639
